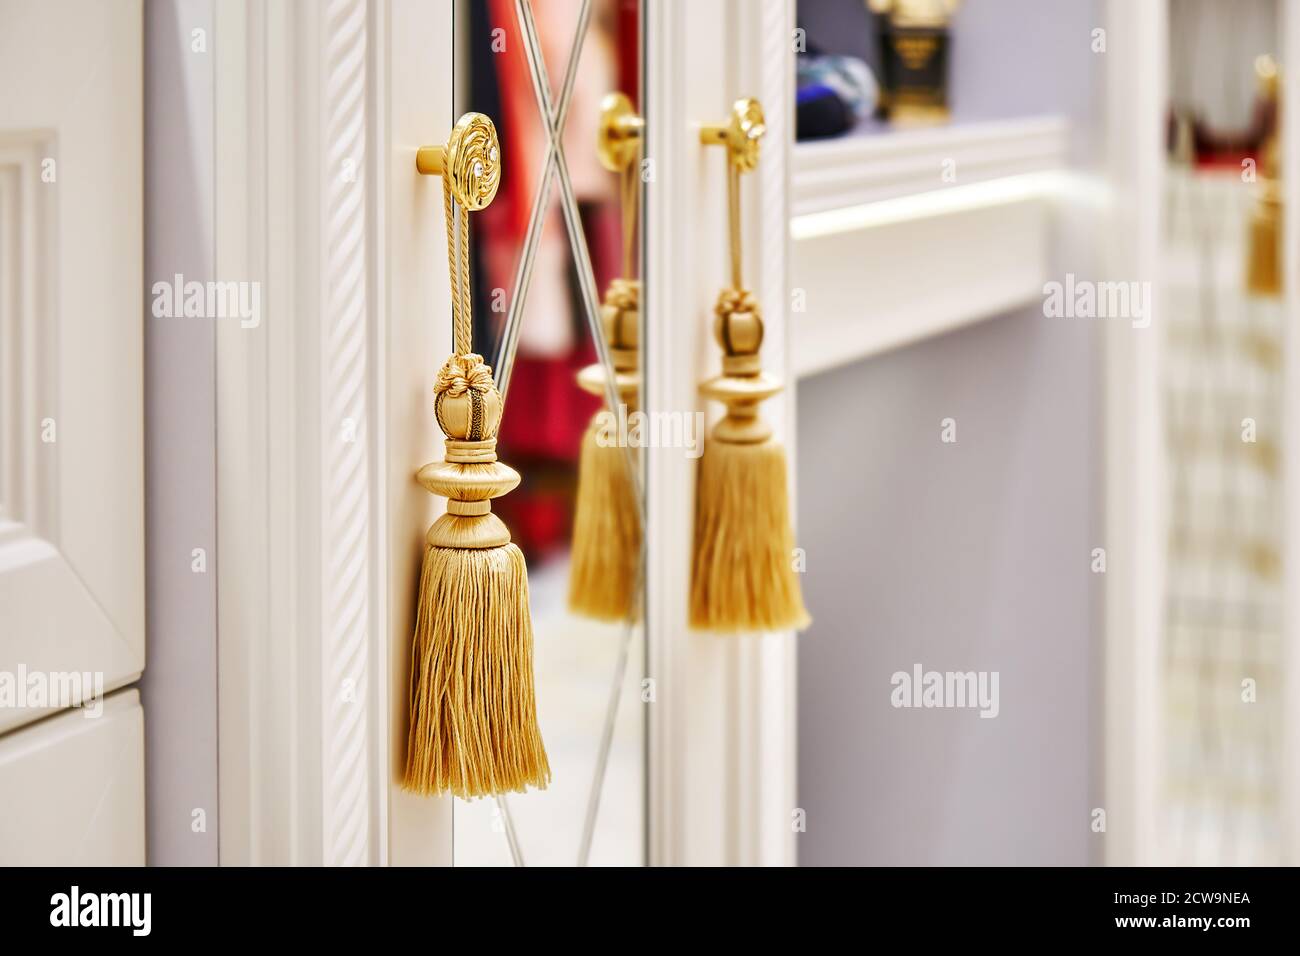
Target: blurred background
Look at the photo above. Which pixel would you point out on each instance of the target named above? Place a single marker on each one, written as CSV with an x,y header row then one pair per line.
x,y
1039,358
588,670
1105,528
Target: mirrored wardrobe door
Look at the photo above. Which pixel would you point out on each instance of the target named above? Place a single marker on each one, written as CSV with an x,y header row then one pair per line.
x,y
1222,343
554,260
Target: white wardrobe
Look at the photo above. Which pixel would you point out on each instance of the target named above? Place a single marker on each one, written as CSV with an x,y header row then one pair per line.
x,y
72,611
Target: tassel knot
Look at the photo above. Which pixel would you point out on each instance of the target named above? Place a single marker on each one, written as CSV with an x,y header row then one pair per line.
x,y
739,330
623,295
465,399
464,373
731,301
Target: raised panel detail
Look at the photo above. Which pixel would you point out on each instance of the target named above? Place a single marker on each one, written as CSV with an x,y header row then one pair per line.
x,y
28,333
71,347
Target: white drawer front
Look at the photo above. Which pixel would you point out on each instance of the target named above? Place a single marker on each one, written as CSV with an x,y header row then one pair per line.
x,y
72,788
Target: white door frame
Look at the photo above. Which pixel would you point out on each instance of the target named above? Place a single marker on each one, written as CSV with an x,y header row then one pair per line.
x,y
722,728
323,417
1137,36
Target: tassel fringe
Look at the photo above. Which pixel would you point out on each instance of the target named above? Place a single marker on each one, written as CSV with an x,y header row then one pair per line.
x,y
744,578
606,533
473,710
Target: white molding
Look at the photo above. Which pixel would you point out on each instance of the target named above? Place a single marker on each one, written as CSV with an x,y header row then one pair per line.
x,y
721,733
300,645
1134,439
864,292
860,200
670,382
346,541
870,167
29,335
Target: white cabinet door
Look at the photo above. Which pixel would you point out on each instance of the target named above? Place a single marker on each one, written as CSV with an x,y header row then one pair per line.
x,y
71,328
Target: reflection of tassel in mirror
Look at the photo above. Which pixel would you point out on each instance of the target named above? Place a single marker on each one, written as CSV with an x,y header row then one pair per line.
x,y
742,576
604,566
1263,261
606,524
473,719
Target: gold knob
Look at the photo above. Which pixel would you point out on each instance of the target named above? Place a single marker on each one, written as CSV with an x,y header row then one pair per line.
x,y
740,134
618,141
470,161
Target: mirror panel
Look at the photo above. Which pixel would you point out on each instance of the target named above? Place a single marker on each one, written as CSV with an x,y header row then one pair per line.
x,y
1222,388
546,256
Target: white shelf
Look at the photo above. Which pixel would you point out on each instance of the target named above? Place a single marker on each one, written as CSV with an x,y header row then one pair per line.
x,y
875,165
888,251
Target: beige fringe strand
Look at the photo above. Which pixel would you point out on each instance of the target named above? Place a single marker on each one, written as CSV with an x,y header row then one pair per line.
x,y
743,576
473,710
606,533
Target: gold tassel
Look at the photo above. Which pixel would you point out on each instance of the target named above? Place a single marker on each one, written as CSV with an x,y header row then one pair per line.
x,y
473,713
473,710
473,726
604,564
743,576
1263,266
1263,259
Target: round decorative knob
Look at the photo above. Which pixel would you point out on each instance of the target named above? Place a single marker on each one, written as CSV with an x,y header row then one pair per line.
x,y
747,128
473,161
617,143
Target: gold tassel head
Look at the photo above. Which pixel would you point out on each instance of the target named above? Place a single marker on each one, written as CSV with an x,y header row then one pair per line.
x,y
466,400
620,317
738,328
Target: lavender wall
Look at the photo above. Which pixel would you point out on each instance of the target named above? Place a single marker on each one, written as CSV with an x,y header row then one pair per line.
x,y
965,556
179,688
